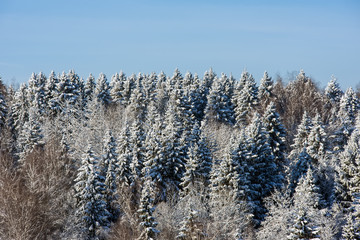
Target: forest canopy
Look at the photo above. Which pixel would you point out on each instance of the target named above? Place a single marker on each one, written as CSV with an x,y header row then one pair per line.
x,y
151,156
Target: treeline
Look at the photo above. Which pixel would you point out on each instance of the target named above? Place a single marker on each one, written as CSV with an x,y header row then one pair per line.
x,y
152,156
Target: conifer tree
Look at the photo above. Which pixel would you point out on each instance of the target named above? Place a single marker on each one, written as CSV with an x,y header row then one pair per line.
x,y
301,137
245,99
307,193
92,214
266,88
348,172
277,134
19,110
351,230
333,91
317,146
31,136
125,156
302,228
220,107
137,141
111,171
146,209
102,90
52,95
89,90
263,173
299,169
117,87
3,111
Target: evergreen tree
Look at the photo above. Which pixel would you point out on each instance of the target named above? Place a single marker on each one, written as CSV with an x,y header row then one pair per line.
x,y
301,137
333,91
245,99
351,230
277,134
348,172
111,171
302,228
117,87
31,136
91,210
307,193
137,141
299,169
125,156
137,99
102,90
19,109
266,88
146,210
220,107
52,95
3,111
89,88
317,141
263,173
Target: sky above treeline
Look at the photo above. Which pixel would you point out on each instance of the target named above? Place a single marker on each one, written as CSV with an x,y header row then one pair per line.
x,y
321,37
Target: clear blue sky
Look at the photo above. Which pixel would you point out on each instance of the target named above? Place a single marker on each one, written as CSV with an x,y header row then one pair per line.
x,y
321,37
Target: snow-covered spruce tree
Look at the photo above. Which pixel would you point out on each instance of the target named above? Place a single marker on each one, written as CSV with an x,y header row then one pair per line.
x,y
110,170
89,90
263,171
277,134
3,110
333,91
19,110
266,89
197,167
303,228
52,95
351,230
198,100
68,90
137,101
125,157
220,107
173,148
102,90
117,87
146,209
245,100
150,82
137,141
161,92
30,136
317,146
301,137
307,193
348,172
36,91
298,169
91,210
230,215
349,107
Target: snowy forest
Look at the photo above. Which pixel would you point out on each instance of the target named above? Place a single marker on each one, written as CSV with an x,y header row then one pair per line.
x,y
150,156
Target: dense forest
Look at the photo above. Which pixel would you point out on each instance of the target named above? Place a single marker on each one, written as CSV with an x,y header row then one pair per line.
x,y
151,156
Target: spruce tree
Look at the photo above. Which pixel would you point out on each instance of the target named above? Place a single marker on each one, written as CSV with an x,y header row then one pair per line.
x,y
302,228
125,156
91,210
110,172
102,90
277,134
117,87
348,172
266,88
301,137
317,146
146,210
333,91
245,100
3,111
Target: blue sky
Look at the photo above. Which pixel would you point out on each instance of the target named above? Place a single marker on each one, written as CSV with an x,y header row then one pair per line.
x,y
321,37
